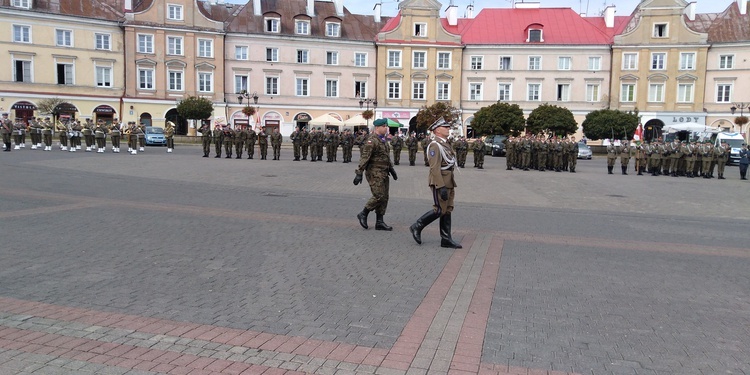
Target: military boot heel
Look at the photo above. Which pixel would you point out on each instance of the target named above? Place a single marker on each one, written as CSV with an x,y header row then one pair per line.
x,y
380,224
445,233
362,217
421,223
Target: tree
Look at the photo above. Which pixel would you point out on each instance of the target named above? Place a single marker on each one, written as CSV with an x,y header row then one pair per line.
x,y
551,119
428,115
195,108
609,123
47,106
499,118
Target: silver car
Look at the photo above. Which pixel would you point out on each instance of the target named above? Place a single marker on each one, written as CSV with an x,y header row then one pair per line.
x,y
584,151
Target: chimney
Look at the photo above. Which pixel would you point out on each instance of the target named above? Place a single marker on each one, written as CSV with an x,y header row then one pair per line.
x,y
742,4
609,16
377,10
256,8
520,4
339,4
470,11
311,8
690,10
451,14
128,6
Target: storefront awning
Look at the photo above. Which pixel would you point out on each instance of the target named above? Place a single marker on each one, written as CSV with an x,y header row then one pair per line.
x,y
104,110
65,107
24,106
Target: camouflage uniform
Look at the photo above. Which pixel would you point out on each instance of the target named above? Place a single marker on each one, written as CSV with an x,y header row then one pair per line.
x,y
251,138
478,148
397,143
276,140
240,137
375,163
412,145
205,130
263,143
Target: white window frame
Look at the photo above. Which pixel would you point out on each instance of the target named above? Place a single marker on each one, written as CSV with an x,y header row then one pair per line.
x,y
70,69
274,52
656,92
660,28
332,88
271,86
444,60
272,25
333,29
241,83
476,62
501,66
205,48
630,61
420,30
241,53
146,79
394,59
535,63
726,62
21,34
504,87
302,86
564,63
631,92
25,4
358,89
394,89
175,13
565,95
175,45
593,92
443,90
532,31
532,89
332,57
179,84
302,27
102,41
419,62
66,35
145,43
595,63
201,82
360,59
102,69
476,91
30,77
418,90
658,61
685,92
687,60
724,92
303,56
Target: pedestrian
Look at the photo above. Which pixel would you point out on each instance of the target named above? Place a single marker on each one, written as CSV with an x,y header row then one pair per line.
x,y
744,161
442,184
169,135
375,162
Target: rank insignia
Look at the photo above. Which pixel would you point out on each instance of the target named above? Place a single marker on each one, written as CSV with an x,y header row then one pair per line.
x,y
432,153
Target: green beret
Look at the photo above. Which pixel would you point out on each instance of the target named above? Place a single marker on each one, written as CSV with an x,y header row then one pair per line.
x,y
380,122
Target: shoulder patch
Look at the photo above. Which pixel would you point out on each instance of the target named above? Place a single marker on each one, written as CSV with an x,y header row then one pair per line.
x,y
432,153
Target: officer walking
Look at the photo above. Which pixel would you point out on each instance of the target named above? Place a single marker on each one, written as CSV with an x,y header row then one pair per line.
x,y
375,162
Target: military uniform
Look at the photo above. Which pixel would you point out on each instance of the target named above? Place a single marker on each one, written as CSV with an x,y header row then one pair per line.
x,y
47,130
6,129
572,155
75,137
426,142
347,144
141,138
721,154
88,135
228,141
252,136
263,143
62,130
304,142
478,147
707,153
276,140
36,133
689,150
375,163
205,130
412,145
135,135
19,128
218,136
624,156
397,144
100,134
240,137
612,152
114,131
510,152
296,138
169,135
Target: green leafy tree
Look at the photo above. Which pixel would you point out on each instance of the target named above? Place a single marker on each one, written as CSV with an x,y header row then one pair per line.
x,y
551,119
428,115
499,118
195,108
47,106
610,123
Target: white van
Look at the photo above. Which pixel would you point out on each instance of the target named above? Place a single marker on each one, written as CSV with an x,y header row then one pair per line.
x,y
735,141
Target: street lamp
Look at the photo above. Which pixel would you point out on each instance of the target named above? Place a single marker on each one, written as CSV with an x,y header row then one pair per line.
x,y
741,106
244,95
366,102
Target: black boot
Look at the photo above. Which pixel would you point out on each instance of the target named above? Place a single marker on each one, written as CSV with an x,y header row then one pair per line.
x,y
362,216
423,221
380,224
609,169
624,169
445,233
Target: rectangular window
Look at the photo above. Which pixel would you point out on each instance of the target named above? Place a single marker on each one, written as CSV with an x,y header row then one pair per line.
x,y
444,60
360,59
272,85
723,93
333,29
360,89
475,91
175,80
420,30
302,27
272,25
240,83
503,92
21,34
726,62
22,4
332,88
592,92
302,87
535,62
627,92
417,90
419,60
656,92
146,79
302,56
629,61
272,54
103,41
563,92
685,93
661,30
205,48
505,63
145,43
174,45
64,38
477,62
22,71
595,63
394,89
64,74
174,12
535,35
205,82
443,91
534,92
240,53
564,63
687,61
394,59
658,61
103,76
332,58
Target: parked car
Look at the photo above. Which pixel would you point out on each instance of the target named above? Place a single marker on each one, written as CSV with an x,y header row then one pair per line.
x,y
584,151
494,145
155,136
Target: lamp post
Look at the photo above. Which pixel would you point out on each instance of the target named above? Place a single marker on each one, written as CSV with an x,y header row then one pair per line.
x,y
366,102
242,95
741,106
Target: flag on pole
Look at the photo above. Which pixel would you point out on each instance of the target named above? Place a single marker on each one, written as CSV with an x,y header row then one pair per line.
x,y
638,132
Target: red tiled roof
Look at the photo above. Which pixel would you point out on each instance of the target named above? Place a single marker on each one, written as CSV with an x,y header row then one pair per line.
x,y
728,26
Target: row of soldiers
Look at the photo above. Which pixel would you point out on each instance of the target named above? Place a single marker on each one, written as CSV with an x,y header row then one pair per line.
x,y
239,140
541,152
676,158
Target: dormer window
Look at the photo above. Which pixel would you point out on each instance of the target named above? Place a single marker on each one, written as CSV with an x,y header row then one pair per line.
x,y
333,29
272,25
174,12
661,30
535,35
420,29
26,4
302,27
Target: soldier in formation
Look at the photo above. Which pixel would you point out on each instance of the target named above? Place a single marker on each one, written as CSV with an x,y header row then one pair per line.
x,y
100,136
412,145
252,136
47,131
263,143
240,138
6,128
478,147
218,136
228,141
205,130
397,143
115,133
276,140
347,145
296,138
461,147
304,143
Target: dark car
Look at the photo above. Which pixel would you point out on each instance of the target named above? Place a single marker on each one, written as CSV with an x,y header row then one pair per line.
x,y
494,145
155,136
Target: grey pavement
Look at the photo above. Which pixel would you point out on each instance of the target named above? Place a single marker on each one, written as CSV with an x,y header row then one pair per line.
x,y
599,274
